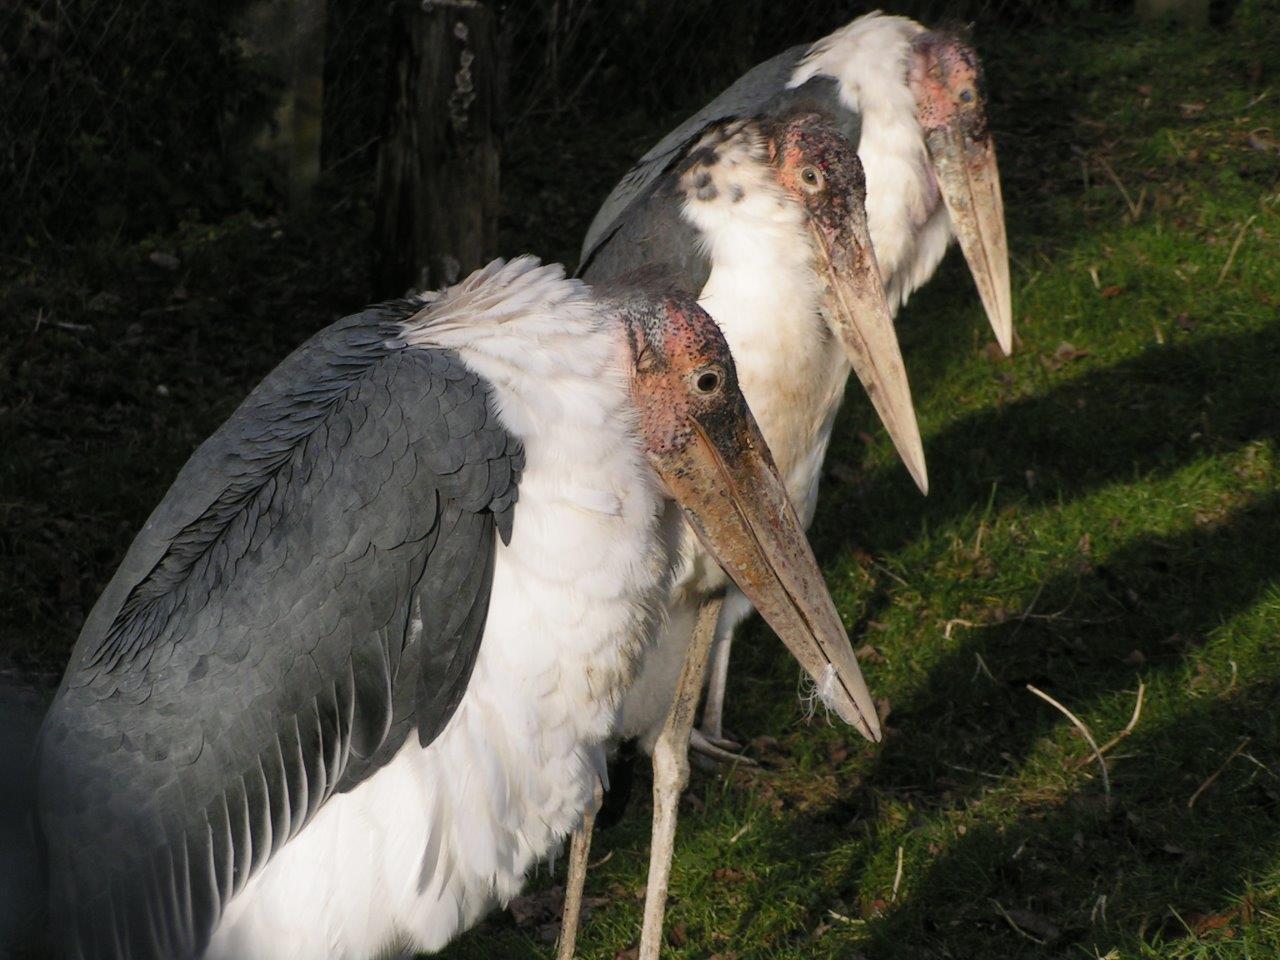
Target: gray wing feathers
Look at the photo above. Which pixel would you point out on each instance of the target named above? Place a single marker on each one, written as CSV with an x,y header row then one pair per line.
x,y
313,586
652,235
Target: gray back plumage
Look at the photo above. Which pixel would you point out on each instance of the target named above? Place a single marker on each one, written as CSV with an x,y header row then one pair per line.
x,y
652,236
311,590
639,223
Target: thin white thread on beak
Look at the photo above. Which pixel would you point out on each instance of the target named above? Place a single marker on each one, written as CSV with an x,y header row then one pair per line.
x,y
824,692
807,693
827,687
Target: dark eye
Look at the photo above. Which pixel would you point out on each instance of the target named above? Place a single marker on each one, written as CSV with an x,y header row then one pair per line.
x,y
966,95
708,381
812,178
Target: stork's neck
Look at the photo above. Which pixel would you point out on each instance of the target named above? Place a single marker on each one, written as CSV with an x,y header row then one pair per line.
x,y
908,224
764,293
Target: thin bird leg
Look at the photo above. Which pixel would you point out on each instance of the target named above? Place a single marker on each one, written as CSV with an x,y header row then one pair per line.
x,y
709,741
671,774
713,710
579,853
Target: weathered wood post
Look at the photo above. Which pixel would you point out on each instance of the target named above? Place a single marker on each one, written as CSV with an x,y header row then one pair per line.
x,y
437,205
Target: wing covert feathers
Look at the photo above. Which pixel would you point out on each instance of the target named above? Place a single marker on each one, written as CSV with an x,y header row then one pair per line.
x,y
312,588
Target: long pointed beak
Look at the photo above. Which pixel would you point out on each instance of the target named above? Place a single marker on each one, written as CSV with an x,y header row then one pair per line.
x,y
970,183
859,317
725,480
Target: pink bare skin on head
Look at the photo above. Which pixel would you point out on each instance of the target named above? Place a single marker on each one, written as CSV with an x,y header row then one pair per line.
x,y
681,369
945,76
817,166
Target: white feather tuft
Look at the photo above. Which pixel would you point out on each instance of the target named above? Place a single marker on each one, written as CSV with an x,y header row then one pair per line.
x,y
499,293
822,691
826,689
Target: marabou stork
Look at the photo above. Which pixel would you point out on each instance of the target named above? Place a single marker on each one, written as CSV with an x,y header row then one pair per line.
x,y
911,99
765,217
345,688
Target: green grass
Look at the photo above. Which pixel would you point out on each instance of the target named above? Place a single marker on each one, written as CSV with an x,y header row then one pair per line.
x,y
1099,519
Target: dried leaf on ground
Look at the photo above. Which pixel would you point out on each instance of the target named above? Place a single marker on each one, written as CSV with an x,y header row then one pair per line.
x,y
1204,924
1067,352
868,654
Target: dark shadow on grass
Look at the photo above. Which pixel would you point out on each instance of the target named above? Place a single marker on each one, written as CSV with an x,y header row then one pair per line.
x,y
1146,853
1148,415
962,732
1164,594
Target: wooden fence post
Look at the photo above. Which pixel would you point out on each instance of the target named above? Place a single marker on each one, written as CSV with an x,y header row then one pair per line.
x,y
437,204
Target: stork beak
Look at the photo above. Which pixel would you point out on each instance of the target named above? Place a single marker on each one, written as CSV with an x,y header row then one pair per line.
x,y
858,315
725,481
970,183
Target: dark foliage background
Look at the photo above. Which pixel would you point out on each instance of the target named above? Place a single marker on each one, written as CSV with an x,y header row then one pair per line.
x,y
123,117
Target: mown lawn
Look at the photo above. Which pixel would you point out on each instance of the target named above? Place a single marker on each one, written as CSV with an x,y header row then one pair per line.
x,y
1104,519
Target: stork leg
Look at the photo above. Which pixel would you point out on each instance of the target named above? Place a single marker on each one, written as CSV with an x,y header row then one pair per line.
x,y
671,774
710,753
710,741
579,854
713,709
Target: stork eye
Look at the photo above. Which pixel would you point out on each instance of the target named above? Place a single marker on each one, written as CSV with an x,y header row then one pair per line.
x,y
708,381
812,179
966,95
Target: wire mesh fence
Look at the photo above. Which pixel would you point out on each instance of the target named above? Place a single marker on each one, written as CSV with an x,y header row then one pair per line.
x,y
120,117
89,135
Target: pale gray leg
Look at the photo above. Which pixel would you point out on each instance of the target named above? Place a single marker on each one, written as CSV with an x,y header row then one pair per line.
x,y
671,774
579,854
713,710
711,753
710,740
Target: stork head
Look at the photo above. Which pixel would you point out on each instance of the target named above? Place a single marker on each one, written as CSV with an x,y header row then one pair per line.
x,y
709,455
817,168
945,78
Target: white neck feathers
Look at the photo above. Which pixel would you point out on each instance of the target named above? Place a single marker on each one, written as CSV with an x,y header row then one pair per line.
x,y
548,348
